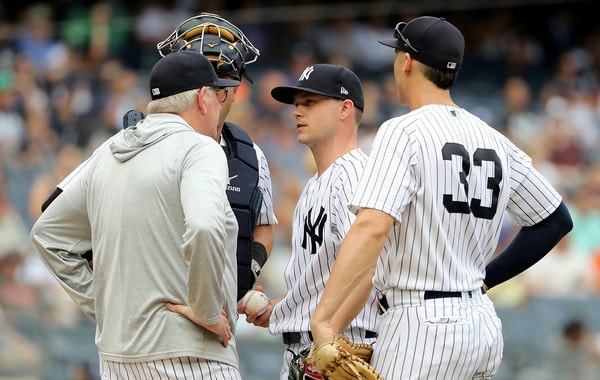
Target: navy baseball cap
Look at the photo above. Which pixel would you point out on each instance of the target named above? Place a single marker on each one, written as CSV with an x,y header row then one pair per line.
x,y
430,40
334,81
182,71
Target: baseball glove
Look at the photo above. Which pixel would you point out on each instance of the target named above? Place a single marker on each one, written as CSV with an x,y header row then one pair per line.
x,y
342,359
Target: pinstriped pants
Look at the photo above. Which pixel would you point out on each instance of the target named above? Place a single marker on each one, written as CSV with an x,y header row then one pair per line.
x,y
181,368
439,339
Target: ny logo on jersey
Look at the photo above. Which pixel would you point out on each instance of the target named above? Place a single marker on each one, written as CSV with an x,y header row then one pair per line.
x,y
314,231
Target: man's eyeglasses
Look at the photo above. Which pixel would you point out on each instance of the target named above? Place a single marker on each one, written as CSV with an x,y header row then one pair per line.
x,y
221,93
398,35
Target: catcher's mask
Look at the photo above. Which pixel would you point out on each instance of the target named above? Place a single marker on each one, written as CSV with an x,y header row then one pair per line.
x,y
224,44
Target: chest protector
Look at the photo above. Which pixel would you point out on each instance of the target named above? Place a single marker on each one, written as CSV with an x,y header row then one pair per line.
x,y
244,196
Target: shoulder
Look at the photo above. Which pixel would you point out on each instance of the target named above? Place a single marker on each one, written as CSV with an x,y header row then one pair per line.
x,y
349,166
199,145
354,159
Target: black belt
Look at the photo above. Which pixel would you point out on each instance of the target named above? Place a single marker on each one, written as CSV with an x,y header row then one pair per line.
x,y
296,337
431,294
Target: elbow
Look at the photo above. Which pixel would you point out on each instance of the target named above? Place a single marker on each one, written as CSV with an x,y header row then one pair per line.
x,y
374,224
566,222
34,235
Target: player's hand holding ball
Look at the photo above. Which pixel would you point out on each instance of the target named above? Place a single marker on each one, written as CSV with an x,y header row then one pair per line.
x,y
255,300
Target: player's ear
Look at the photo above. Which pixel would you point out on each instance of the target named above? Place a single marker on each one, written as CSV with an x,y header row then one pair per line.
x,y
202,100
409,62
346,108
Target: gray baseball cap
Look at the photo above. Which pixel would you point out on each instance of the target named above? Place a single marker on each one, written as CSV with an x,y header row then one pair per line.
x,y
430,40
325,79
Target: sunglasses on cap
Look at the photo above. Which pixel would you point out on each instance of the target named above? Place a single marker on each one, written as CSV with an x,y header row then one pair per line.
x,y
398,35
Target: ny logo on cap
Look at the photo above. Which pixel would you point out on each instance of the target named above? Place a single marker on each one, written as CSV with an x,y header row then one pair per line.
x,y
306,73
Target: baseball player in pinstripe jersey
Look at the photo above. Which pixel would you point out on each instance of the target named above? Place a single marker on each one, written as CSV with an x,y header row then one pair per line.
x,y
429,210
329,104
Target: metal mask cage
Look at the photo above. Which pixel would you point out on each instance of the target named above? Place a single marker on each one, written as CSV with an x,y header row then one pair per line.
x,y
219,40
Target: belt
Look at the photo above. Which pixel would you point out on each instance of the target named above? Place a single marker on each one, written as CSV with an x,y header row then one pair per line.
x,y
428,295
431,294
296,337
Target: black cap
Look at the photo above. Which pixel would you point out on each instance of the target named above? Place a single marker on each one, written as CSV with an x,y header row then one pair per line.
x,y
324,79
182,71
430,40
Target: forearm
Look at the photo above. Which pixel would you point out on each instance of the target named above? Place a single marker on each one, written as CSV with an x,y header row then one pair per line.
x,y
351,306
263,234
263,243
353,270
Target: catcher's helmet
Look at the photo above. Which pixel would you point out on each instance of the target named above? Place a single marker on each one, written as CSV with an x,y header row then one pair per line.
x,y
224,44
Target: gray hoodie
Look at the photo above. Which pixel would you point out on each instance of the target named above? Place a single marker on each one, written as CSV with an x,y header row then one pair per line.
x,y
152,207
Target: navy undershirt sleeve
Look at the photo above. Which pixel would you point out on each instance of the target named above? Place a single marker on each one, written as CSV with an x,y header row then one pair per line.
x,y
529,246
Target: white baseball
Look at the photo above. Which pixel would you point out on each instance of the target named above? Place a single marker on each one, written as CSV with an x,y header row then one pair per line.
x,y
255,300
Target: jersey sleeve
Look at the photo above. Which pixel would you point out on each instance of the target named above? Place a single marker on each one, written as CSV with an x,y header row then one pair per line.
x,y
267,212
532,198
61,235
389,181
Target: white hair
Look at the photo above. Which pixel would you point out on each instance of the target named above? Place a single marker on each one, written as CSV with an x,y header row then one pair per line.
x,y
175,103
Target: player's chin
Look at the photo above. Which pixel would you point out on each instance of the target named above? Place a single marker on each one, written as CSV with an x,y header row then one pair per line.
x,y
302,136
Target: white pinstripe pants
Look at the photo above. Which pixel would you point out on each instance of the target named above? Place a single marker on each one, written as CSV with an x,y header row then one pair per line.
x,y
181,368
445,338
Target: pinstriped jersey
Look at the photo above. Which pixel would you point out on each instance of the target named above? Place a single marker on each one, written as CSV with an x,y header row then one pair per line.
x,y
447,177
320,222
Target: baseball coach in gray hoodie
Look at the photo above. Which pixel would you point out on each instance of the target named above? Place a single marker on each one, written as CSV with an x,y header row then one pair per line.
x,y
153,208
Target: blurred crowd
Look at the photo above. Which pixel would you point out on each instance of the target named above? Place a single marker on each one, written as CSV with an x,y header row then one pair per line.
x,y
68,75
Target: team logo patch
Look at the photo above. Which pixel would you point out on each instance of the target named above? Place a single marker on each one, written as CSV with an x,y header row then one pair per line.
x,y
313,231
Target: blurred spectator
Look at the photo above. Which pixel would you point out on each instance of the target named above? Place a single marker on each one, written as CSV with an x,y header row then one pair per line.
x,y
20,359
562,273
101,30
562,144
121,92
585,211
68,158
124,93
154,21
576,355
12,125
35,156
521,121
14,235
37,39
